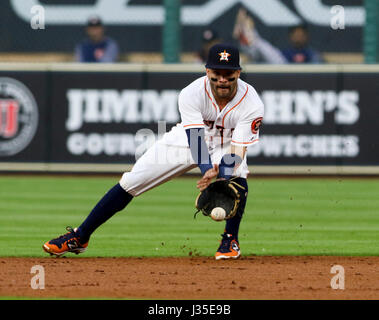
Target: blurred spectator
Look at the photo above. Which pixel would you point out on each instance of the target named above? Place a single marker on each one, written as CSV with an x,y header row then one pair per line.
x,y
299,50
261,51
97,47
210,38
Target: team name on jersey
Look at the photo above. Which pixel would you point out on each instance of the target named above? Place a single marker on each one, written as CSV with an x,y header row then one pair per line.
x,y
224,132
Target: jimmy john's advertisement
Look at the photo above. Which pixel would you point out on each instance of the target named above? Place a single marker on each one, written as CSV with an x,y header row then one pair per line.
x,y
310,119
103,117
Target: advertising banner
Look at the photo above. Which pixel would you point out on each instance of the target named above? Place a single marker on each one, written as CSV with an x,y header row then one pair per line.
x,y
310,118
103,117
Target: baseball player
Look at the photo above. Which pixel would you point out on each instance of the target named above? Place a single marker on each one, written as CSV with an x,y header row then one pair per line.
x,y
220,118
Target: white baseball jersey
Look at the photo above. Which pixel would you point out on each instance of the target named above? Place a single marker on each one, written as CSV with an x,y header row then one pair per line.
x,y
238,124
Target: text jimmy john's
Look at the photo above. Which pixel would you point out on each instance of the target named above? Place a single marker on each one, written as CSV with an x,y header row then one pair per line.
x,y
300,108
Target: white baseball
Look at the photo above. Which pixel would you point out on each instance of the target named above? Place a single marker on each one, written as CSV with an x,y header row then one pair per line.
x,y
218,214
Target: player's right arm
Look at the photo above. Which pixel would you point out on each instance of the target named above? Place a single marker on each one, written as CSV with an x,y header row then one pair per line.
x,y
193,124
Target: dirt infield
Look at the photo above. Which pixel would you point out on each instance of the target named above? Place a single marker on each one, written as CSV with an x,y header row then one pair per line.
x,y
248,278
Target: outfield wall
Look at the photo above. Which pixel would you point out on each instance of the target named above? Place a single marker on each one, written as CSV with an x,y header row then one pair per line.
x,y
77,117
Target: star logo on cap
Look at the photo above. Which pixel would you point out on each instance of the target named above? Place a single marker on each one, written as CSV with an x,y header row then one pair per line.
x,y
224,56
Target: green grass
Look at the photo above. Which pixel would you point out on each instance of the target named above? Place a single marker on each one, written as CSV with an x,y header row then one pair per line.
x,y
283,217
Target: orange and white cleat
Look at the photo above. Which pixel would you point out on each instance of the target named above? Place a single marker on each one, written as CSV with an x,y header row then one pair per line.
x,y
69,242
229,248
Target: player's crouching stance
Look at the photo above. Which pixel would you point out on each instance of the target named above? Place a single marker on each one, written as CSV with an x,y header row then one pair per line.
x,y
221,115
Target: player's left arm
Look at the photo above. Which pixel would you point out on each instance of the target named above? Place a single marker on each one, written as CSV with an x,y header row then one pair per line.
x,y
229,163
239,151
244,135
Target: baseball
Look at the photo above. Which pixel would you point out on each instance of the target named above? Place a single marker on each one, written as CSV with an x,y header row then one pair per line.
x,y
218,214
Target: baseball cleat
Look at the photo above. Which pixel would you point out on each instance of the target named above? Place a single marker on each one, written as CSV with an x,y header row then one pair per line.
x,y
228,249
69,242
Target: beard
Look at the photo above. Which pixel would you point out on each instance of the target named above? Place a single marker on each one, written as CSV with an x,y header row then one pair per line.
x,y
224,91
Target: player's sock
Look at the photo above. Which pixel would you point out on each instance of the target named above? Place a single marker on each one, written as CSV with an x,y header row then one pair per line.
x,y
233,224
113,201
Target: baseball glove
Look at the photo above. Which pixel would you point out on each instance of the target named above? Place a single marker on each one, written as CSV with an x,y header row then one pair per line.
x,y
221,193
